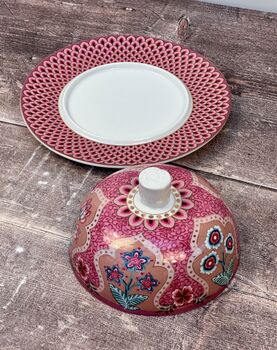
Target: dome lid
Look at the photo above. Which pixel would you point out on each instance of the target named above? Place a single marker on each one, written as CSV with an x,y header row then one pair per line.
x,y
154,240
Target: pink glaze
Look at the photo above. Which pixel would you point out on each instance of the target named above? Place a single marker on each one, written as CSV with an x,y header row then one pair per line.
x,y
155,264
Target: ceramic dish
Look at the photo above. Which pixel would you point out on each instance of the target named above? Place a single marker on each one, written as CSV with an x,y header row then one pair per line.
x,y
99,103
154,241
54,77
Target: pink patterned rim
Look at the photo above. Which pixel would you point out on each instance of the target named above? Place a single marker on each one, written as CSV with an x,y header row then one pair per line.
x,y
41,90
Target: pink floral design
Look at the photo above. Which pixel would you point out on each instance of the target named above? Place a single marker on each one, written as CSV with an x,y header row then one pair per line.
x,y
148,282
114,274
183,296
152,224
134,260
82,268
85,211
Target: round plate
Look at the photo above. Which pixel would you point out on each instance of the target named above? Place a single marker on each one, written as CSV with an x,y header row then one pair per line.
x,y
99,103
42,88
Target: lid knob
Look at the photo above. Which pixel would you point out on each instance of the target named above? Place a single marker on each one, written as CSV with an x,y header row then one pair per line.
x,y
155,187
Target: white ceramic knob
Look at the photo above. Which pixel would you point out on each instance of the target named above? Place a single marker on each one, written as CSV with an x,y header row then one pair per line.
x,y
155,187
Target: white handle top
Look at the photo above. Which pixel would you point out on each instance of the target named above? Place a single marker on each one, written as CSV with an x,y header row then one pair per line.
x,y
155,188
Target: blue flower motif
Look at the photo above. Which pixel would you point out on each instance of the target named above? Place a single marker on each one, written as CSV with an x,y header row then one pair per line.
x,y
214,238
114,274
209,263
147,282
134,260
229,243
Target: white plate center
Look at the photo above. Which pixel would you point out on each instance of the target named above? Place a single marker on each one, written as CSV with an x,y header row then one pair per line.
x,y
125,103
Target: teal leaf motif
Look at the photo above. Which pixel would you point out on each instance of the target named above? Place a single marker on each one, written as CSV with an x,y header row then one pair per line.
x,y
119,296
229,271
135,299
127,302
222,279
132,308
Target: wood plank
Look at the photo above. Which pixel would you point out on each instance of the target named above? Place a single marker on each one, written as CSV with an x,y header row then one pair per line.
x,y
43,306
240,42
221,34
38,187
245,149
42,191
238,152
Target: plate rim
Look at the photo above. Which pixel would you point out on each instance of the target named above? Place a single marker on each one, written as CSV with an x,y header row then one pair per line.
x,y
117,36
126,165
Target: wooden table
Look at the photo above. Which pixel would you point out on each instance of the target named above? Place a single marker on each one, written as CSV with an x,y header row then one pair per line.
x,y
41,303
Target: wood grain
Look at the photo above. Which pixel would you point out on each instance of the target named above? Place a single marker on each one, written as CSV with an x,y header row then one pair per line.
x,y
43,191
240,42
41,303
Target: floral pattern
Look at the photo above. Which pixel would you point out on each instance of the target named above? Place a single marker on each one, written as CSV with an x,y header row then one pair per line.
x,y
152,223
183,296
85,211
82,268
134,260
229,244
214,238
223,278
182,247
209,263
147,282
114,274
